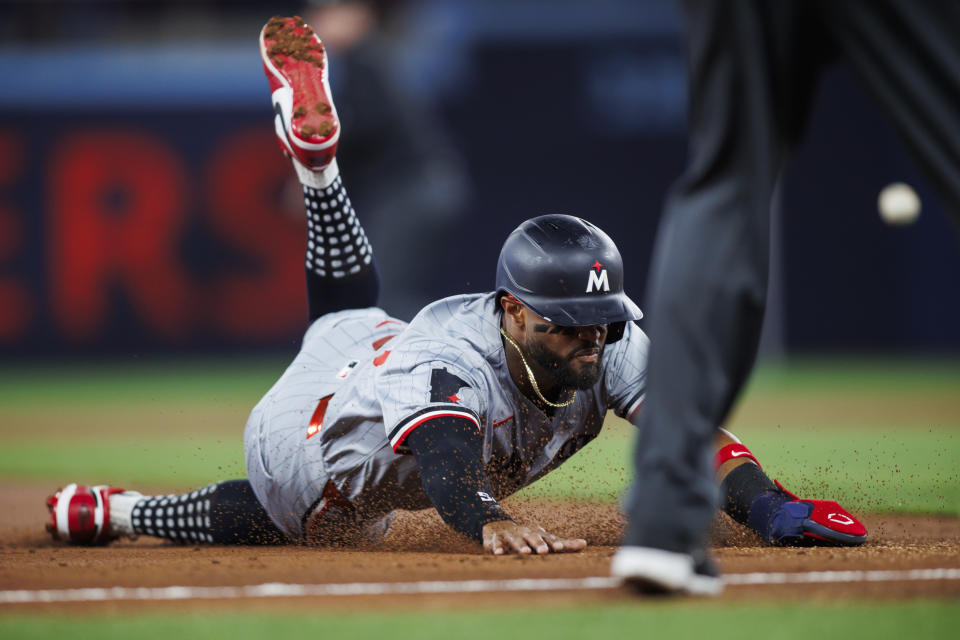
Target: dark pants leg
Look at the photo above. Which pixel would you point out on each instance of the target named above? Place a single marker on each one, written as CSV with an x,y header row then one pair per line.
x,y
708,277
753,65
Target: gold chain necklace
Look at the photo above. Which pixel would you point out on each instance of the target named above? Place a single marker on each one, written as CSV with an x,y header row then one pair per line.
x,y
533,380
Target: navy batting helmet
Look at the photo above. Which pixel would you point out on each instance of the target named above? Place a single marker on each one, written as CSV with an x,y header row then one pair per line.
x,y
567,271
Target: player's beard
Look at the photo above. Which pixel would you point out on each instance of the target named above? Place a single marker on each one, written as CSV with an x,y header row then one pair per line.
x,y
561,367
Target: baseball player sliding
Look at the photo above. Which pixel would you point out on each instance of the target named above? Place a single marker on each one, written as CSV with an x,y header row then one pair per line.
x,y
478,396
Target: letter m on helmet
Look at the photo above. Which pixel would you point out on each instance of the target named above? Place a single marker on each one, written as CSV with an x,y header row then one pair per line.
x,y
598,281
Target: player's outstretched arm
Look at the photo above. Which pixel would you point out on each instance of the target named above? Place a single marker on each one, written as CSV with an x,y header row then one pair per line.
x,y
448,453
778,516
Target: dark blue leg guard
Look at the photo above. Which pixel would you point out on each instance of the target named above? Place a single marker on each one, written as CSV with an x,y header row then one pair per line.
x,y
772,518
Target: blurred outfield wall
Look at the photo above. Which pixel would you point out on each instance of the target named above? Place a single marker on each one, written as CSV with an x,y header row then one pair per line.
x,y
145,207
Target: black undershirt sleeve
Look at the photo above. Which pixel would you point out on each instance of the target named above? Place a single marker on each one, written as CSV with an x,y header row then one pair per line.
x,y
448,451
742,486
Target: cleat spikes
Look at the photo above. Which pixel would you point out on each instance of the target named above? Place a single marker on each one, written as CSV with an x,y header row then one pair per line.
x,y
306,121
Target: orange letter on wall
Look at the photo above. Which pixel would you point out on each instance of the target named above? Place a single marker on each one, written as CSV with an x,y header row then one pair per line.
x,y
116,211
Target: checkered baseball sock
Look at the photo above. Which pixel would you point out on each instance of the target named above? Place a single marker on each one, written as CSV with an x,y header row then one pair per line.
x,y
221,513
341,272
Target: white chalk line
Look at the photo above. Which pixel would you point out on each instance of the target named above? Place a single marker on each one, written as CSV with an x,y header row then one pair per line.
x,y
824,577
285,590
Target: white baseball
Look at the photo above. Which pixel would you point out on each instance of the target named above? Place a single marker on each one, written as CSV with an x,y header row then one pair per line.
x,y
899,204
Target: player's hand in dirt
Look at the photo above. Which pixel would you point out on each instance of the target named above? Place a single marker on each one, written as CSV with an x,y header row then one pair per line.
x,y
503,537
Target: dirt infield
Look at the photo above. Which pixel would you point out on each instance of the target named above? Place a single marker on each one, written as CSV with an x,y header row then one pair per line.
x,y
421,548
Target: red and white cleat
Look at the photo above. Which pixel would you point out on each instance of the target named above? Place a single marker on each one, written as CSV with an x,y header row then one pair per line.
x,y
81,515
296,66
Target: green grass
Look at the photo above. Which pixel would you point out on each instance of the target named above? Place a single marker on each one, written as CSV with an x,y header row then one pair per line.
x,y
875,435
151,382
689,619
160,424
879,435
879,469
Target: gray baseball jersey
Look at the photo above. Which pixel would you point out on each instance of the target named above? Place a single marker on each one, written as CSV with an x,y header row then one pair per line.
x,y
362,382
